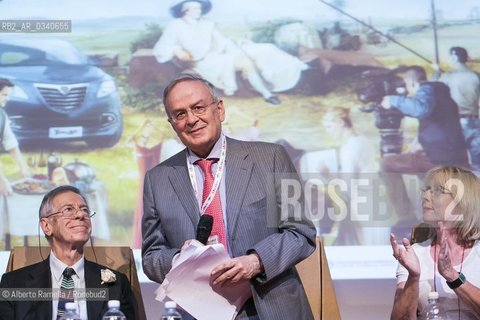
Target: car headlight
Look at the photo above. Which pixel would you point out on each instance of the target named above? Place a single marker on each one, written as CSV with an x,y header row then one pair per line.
x,y
107,87
19,93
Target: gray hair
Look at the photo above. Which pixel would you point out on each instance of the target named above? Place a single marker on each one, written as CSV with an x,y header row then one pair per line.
x,y
47,202
188,77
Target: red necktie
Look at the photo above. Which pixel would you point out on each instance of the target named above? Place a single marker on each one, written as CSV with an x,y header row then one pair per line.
x,y
215,207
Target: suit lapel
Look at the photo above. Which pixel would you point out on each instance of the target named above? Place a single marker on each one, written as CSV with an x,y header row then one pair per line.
x,y
238,172
180,180
39,277
93,280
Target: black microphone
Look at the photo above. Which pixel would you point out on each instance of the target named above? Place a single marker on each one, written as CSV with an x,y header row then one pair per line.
x,y
204,228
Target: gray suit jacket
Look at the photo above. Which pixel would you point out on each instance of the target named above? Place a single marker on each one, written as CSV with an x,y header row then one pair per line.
x,y
254,218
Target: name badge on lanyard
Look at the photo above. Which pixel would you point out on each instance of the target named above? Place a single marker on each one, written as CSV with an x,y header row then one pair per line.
x,y
216,181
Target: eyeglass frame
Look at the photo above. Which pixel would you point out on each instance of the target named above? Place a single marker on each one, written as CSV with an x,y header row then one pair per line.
x,y
436,190
90,214
197,113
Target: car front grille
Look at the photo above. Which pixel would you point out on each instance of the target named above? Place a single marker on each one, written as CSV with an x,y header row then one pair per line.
x,y
63,97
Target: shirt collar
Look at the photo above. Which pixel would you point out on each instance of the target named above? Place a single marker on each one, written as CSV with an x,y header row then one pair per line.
x,y
215,153
57,267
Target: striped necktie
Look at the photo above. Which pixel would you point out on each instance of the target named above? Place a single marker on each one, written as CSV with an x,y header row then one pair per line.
x,y
66,290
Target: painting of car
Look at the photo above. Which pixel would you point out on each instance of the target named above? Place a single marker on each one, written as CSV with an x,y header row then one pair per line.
x,y
59,94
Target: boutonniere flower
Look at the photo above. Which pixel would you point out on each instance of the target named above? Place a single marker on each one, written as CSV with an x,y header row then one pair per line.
x,y
107,276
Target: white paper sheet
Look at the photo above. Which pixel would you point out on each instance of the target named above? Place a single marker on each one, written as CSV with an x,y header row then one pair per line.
x,y
188,284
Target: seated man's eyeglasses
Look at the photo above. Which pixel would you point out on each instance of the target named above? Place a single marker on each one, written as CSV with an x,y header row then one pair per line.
x,y
197,110
69,212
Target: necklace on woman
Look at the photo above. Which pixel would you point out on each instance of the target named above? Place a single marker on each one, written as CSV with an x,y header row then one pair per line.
x,y
435,272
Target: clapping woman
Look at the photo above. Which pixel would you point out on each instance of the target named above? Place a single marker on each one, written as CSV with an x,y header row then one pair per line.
x,y
448,262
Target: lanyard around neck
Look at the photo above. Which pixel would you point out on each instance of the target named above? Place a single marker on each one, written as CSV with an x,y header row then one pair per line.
x,y
216,181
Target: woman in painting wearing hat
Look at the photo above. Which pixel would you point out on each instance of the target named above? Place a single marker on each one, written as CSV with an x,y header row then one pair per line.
x,y
192,39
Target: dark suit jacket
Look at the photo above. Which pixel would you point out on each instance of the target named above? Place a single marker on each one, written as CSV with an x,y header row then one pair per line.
x,y
38,276
254,221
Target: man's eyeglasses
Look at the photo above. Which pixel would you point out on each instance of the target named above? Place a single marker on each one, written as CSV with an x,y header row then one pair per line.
x,y
436,190
197,110
69,212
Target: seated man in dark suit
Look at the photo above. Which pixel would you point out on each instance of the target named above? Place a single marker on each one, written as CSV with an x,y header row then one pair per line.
x,y
65,221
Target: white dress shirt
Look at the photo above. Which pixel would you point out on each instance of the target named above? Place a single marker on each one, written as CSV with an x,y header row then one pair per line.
x,y
56,268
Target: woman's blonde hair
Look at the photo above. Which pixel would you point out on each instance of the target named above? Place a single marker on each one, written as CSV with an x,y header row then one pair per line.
x,y
465,188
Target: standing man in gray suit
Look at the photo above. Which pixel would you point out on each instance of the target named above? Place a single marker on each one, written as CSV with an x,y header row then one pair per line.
x,y
264,237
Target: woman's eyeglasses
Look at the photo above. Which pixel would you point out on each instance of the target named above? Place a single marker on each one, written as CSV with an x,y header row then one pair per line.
x,y
436,190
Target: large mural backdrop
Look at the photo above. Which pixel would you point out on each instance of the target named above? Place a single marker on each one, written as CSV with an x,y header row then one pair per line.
x,y
86,106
